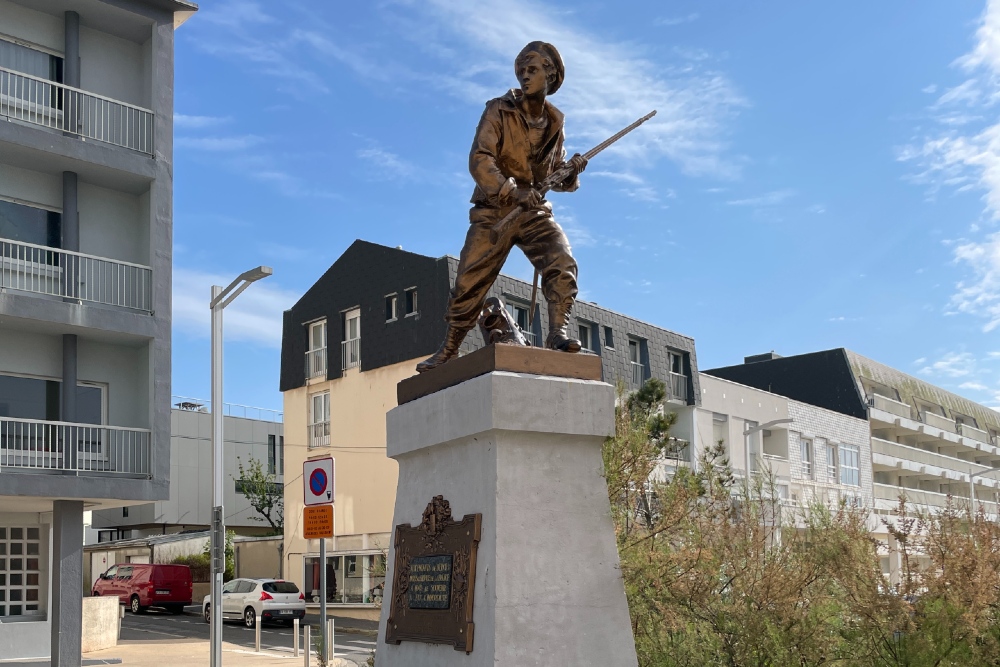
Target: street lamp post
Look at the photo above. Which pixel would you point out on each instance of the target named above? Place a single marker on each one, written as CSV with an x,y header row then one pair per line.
x,y
220,299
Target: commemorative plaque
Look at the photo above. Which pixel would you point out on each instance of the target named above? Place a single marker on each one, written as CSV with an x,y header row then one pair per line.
x,y
434,579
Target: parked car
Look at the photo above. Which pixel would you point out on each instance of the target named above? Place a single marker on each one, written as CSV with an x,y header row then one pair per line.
x,y
141,586
265,599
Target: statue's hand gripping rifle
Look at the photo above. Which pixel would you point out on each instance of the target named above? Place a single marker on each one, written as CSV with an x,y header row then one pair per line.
x,y
561,175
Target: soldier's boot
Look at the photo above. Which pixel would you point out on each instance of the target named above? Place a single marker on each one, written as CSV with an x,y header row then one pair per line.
x,y
558,338
449,349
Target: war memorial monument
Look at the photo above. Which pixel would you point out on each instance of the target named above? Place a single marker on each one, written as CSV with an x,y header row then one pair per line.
x,y
503,549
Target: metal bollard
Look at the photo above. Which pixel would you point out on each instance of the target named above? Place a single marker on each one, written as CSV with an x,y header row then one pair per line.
x,y
256,632
331,650
295,637
307,649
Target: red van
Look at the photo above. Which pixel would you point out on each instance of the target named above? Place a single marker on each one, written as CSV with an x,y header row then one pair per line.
x,y
141,586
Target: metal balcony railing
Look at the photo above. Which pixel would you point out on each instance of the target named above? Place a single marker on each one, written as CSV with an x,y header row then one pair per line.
x,y
319,434
638,373
28,444
350,353
62,273
54,105
190,404
677,386
316,363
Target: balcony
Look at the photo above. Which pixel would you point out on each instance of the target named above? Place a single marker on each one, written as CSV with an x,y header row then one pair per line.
x,y
53,272
82,449
889,405
677,387
638,373
974,433
350,354
316,363
896,455
30,99
887,497
319,435
937,421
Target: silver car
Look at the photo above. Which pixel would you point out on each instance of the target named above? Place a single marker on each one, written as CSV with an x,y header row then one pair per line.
x,y
264,599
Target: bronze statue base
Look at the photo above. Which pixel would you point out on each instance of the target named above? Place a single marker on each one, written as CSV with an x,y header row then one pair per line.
x,y
513,358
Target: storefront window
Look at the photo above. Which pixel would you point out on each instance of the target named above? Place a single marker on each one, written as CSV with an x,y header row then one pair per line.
x,y
350,579
19,590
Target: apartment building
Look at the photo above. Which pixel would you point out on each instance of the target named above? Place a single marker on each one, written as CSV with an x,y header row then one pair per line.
x,y
926,443
810,454
359,330
86,131
249,434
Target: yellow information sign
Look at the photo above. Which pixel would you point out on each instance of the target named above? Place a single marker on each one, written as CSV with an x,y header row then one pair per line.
x,y
317,522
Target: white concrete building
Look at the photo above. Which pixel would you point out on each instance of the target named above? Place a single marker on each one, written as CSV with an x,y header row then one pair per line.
x,y
249,433
86,134
812,454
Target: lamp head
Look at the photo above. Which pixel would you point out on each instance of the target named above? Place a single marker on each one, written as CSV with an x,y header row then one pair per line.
x,y
256,274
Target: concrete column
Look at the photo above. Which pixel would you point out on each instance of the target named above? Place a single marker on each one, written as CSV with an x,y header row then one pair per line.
x,y
70,213
67,582
67,411
525,452
71,42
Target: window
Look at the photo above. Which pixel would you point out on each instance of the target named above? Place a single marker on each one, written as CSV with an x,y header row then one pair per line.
x,y
638,372
319,420
519,314
19,577
38,398
350,579
831,462
272,454
30,224
806,451
27,60
316,356
585,336
390,308
720,429
609,338
124,511
675,362
411,301
850,465
350,353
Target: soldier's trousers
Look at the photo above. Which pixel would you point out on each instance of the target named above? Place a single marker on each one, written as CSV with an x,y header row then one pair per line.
x,y
541,239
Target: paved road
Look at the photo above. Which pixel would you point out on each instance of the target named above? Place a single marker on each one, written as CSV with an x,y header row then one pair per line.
x,y
160,625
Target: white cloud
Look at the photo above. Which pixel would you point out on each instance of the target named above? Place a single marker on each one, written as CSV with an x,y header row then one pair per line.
x,y
219,144
675,20
769,199
254,317
975,386
389,164
182,121
623,176
607,85
980,295
951,365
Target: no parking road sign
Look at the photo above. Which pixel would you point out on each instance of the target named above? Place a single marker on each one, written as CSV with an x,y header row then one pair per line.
x,y
317,481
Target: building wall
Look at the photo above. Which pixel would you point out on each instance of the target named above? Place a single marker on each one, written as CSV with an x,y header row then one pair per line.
x,y
365,476
739,404
826,426
190,501
32,187
113,224
258,557
37,27
112,67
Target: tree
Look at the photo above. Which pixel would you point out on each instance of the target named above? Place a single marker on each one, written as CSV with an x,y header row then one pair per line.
x,y
263,493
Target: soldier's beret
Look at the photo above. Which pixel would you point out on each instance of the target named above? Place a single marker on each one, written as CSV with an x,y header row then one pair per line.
x,y
545,50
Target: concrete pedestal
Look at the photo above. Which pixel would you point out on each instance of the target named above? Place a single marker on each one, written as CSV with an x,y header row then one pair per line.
x,y
525,451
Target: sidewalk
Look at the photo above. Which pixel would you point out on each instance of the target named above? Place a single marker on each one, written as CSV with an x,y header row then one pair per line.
x,y
194,653
351,625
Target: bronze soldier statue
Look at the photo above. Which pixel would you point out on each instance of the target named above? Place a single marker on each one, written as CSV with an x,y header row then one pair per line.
x,y
517,149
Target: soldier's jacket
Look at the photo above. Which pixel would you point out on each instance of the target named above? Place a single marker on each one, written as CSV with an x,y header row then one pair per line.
x,y
502,150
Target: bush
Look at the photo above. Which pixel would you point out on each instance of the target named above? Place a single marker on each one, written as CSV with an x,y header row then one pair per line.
x,y
200,564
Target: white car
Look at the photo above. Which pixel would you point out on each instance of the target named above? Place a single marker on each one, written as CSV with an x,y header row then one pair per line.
x,y
265,599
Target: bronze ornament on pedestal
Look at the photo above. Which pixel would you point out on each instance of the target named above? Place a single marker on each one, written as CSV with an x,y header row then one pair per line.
x,y
434,579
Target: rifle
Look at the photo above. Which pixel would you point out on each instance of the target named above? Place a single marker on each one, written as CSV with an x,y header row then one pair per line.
x,y
560,175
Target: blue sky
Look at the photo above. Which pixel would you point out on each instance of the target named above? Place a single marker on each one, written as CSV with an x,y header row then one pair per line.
x,y
818,175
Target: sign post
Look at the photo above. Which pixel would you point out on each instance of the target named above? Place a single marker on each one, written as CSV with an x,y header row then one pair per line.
x,y
318,490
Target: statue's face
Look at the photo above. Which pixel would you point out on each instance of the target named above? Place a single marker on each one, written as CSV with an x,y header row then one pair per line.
x,y
531,75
